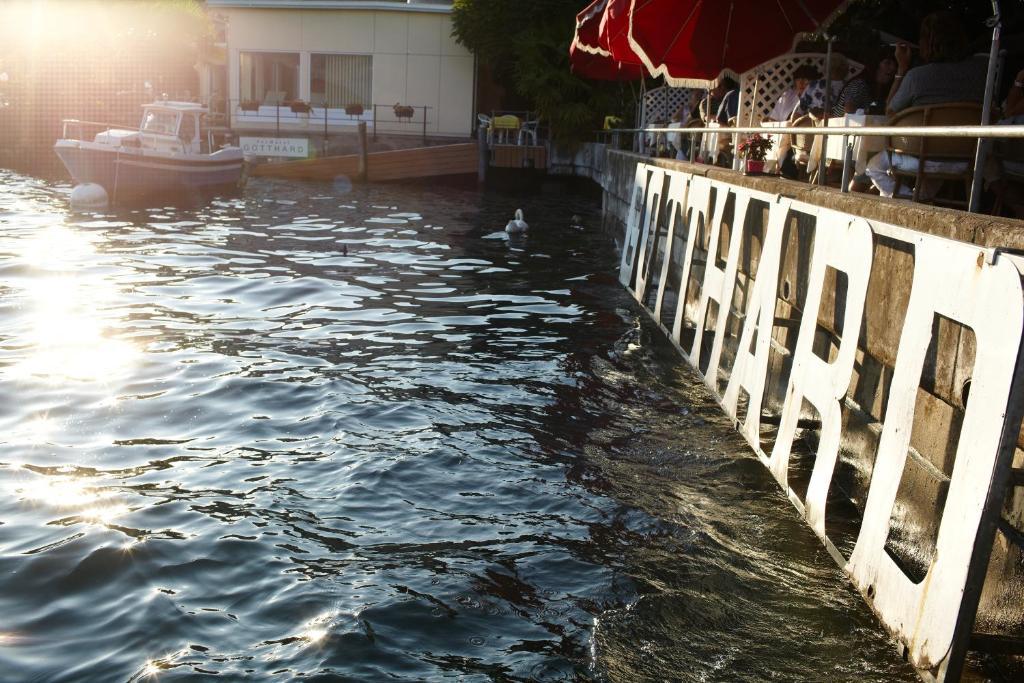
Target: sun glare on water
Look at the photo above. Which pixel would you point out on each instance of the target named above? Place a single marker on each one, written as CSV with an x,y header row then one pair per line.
x,y
67,338
64,492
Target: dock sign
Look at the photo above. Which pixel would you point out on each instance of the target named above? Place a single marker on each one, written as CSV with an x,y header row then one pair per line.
x,y
275,147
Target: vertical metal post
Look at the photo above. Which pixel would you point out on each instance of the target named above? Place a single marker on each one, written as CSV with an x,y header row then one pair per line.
x,y
325,127
364,160
483,157
828,109
424,125
117,174
277,115
986,108
847,162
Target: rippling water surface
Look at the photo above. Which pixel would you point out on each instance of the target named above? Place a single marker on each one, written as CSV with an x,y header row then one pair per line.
x,y
357,434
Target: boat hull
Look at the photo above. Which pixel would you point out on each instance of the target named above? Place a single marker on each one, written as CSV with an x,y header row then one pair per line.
x,y
140,173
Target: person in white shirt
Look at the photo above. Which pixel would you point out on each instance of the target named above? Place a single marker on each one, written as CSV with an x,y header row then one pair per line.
x,y
784,106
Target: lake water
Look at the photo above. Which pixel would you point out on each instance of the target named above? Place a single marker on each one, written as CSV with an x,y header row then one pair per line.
x,y
355,434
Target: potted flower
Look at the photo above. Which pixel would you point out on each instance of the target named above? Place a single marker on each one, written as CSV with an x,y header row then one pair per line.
x,y
299,107
354,109
754,149
249,105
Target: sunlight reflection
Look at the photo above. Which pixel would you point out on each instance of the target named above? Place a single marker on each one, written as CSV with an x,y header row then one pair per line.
x,y
34,432
63,492
316,629
104,514
68,329
56,247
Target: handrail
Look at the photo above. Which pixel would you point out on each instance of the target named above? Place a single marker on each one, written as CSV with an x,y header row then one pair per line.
x,y
1007,131
73,123
97,123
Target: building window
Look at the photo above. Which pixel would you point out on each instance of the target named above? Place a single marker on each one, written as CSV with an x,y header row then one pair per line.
x,y
269,77
340,80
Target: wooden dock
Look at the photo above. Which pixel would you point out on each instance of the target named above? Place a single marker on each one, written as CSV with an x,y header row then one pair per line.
x,y
399,164
519,156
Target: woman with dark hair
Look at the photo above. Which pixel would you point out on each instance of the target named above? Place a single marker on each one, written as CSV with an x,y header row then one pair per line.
x,y
848,94
878,75
724,102
803,76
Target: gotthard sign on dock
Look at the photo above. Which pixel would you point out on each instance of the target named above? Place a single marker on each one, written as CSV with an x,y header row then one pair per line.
x,y
799,319
275,147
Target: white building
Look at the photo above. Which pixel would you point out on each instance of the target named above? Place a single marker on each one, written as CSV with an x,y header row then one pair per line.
x,y
332,56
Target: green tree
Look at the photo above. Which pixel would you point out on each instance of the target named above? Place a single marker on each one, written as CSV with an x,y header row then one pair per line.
x,y
526,45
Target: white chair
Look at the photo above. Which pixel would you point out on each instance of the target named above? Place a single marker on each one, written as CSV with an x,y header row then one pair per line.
x,y
484,124
528,131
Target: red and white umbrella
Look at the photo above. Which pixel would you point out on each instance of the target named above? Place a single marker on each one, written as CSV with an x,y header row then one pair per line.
x,y
589,58
613,35
693,42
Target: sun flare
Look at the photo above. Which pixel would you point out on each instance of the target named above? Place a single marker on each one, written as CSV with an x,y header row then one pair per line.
x,y
70,313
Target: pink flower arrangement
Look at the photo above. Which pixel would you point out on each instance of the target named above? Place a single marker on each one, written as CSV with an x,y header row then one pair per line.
x,y
755,147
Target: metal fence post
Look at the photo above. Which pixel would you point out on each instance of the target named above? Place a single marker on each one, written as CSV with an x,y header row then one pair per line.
x,y
847,162
986,109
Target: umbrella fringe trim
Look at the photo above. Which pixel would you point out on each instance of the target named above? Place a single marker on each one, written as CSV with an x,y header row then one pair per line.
x,y
662,70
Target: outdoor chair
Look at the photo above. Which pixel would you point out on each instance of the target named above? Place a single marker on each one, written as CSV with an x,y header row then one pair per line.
x,y
528,132
484,125
934,159
802,143
695,138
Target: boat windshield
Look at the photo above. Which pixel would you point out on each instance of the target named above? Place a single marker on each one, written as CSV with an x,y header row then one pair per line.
x,y
159,122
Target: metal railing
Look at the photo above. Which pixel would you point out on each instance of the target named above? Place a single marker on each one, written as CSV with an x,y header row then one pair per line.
x,y
979,132
75,129
404,114
322,118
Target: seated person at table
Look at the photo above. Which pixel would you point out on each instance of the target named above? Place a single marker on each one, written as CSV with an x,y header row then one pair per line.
x,y
848,94
878,75
784,106
681,143
724,102
948,74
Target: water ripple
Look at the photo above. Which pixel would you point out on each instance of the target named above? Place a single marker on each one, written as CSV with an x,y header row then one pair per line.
x,y
365,437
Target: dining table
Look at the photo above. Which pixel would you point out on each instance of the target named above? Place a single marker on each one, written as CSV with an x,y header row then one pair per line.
x,y
863,147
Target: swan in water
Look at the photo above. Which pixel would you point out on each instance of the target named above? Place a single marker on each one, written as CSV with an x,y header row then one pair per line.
x,y
517,225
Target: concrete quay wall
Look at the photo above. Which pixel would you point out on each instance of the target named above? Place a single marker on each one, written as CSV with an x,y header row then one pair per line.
x,y
898,455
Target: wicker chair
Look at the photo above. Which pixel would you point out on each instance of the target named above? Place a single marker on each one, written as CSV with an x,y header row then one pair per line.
x,y
935,149
801,143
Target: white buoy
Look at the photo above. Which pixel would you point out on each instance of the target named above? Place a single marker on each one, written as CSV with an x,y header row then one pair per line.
x,y
89,197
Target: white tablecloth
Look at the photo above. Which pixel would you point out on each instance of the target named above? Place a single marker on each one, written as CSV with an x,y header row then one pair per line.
x,y
709,144
863,147
780,143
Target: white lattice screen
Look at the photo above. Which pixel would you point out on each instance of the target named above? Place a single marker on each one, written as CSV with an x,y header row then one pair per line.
x,y
772,79
662,103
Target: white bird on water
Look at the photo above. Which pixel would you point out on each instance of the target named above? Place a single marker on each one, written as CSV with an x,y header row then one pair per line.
x,y
517,225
